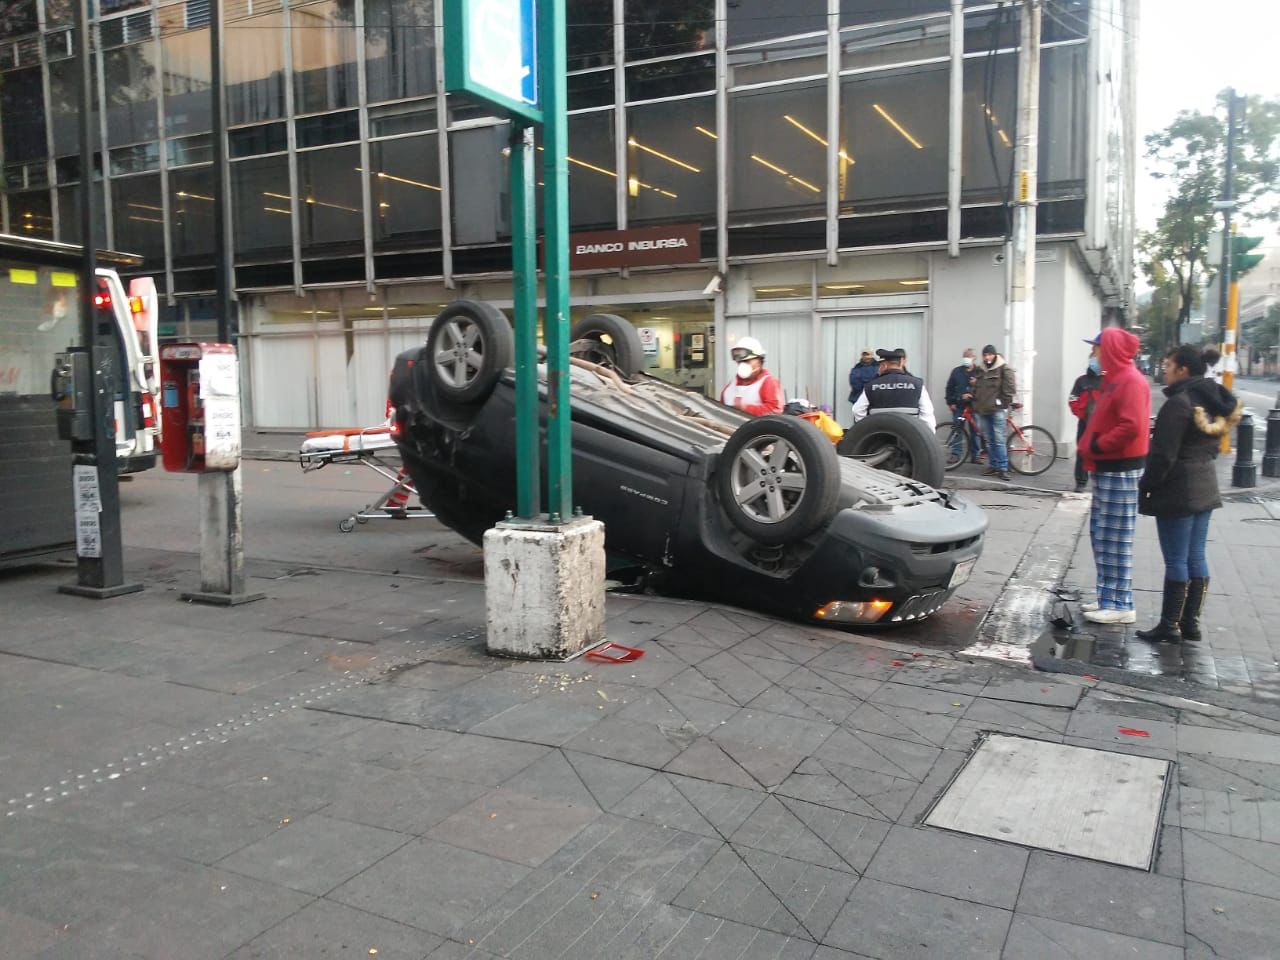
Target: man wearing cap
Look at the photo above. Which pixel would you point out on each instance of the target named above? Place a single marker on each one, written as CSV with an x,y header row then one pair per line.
x,y
862,373
753,389
994,387
1084,396
895,391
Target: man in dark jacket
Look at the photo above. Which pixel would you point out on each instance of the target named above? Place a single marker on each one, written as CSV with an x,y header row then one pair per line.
x,y
862,373
1084,396
994,387
960,383
1180,486
1114,448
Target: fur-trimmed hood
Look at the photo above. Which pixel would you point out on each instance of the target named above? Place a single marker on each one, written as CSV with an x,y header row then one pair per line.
x,y
1215,409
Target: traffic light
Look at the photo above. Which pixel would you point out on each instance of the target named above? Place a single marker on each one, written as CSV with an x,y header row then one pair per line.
x,y
1242,261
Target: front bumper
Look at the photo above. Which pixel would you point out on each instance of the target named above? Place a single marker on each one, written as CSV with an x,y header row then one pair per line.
x,y
891,566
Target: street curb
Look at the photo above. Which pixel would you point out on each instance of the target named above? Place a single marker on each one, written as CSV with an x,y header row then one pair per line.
x,y
280,455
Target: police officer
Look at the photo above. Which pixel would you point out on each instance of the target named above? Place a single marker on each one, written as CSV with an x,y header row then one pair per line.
x,y
895,391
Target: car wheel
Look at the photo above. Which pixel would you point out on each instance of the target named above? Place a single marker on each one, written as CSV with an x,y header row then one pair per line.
x,y
609,341
779,479
469,346
897,443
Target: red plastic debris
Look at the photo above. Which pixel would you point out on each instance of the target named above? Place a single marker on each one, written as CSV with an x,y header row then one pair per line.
x,y
1088,676
897,663
605,653
1133,732
917,654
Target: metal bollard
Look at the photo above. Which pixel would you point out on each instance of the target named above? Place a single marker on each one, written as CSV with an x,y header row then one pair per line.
x,y
1244,473
1271,459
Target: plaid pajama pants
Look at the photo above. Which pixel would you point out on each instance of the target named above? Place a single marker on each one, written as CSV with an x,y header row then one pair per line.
x,y
1111,524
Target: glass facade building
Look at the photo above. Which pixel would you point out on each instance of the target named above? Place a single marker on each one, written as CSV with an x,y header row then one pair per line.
x,y
812,139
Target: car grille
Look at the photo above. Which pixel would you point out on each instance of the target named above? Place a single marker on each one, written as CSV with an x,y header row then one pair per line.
x,y
920,606
926,549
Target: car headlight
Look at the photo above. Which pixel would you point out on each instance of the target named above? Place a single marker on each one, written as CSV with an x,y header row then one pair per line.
x,y
853,611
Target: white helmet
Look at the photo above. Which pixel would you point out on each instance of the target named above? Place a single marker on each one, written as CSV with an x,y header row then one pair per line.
x,y
747,347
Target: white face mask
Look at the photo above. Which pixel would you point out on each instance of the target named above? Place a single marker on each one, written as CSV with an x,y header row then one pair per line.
x,y
967,361
745,370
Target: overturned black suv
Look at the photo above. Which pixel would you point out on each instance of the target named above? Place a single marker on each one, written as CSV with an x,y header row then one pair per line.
x,y
699,498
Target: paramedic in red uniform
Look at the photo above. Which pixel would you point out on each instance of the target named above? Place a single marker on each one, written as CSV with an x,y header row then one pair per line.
x,y
754,390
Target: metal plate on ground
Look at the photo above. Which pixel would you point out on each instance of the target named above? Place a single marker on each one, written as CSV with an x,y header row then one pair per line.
x,y
1086,803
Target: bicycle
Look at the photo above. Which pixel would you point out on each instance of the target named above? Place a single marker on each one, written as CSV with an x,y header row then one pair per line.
x,y
1032,450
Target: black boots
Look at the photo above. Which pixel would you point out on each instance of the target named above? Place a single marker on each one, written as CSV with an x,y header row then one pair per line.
x,y
1196,589
1172,610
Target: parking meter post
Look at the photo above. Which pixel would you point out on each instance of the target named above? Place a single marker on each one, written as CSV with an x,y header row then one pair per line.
x,y
524,262
1244,473
99,544
555,135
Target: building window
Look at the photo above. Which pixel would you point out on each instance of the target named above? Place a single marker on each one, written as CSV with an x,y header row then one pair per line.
x,y
871,11
329,200
753,21
324,56
886,44
405,182
254,55
191,228
893,139
671,161
990,127
138,158
479,177
69,214
671,78
31,214
139,219
663,29
778,152
22,116
593,177
255,141
401,118
588,33
186,83
399,48
260,198
328,128
132,87
1063,109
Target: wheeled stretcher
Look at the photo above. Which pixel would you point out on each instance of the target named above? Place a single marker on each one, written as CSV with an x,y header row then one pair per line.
x,y
372,447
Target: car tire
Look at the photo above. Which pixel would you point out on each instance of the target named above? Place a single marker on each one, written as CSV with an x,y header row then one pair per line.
x,y
898,444
778,479
610,341
468,347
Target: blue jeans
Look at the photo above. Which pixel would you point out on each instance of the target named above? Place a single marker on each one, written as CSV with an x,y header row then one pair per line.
x,y
993,428
1182,542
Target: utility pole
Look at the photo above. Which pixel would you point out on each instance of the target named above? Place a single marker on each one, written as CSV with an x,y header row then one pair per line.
x,y
1227,289
1022,285
99,541
221,492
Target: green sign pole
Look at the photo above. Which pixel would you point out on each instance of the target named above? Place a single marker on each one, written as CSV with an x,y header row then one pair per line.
x,y
555,136
524,264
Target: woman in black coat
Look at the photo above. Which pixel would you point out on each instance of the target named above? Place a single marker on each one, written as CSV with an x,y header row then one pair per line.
x,y
1180,486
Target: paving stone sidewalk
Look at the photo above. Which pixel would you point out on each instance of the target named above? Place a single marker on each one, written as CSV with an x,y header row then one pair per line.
x,y
340,768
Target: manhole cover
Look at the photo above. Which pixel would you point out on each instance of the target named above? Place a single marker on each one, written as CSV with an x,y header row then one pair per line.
x,y
1086,803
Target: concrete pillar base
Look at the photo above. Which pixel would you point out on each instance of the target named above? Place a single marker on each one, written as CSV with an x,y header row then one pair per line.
x,y
544,588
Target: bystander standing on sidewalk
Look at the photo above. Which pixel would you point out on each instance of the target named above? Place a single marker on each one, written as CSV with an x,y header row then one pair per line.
x,y
994,387
863,372
1114,448
1180,486
1084,395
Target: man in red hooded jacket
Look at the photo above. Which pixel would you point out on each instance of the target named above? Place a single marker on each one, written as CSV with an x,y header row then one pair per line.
x,y
1114,449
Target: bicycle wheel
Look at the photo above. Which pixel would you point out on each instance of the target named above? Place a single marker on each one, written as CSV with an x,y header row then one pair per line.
x,y
1032,450
954,440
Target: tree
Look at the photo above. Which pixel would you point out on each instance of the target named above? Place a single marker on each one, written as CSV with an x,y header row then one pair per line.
x,y
1190,156
1159,316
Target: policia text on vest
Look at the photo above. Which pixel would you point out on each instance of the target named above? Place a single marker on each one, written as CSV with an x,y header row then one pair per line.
x,y
896,392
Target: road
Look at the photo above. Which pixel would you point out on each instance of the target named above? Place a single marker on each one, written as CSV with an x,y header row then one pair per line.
x,y
1259,395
